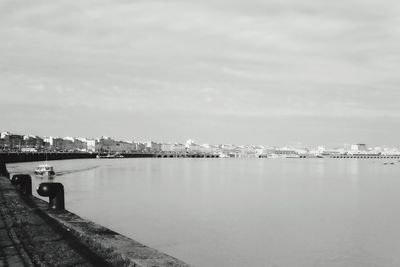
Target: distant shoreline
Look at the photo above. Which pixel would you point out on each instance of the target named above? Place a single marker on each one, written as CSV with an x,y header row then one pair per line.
x,y
14,157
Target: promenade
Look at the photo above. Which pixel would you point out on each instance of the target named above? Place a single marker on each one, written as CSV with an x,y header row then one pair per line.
x,y
9,254
29,237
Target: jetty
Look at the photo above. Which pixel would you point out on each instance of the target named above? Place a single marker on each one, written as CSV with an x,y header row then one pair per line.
x,y
34,232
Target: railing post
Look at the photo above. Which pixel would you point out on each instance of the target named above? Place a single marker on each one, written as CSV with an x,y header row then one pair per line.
x,y
55,192
23,183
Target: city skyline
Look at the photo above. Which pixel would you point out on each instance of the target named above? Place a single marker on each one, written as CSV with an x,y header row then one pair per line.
x,y
297,145
259,72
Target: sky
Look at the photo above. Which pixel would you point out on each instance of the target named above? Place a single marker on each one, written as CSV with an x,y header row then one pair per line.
x,y
269,72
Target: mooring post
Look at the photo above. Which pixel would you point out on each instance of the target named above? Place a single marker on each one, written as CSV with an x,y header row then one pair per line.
x,y
3,170
23,183
55,192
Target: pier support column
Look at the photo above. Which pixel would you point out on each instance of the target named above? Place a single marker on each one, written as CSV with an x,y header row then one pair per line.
x,y
23,183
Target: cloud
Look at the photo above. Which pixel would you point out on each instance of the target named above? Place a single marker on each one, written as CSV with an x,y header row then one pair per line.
x,y
266,59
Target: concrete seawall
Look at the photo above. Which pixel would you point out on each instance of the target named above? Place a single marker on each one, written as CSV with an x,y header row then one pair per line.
x,y
31,234
12,157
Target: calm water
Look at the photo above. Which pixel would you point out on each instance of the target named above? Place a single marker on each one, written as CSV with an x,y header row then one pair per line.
x,y
243,212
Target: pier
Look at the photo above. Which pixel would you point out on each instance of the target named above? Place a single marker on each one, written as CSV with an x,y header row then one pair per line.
x,y
184,155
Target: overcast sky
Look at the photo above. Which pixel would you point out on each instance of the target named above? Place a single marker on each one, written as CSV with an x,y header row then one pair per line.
x,y
266,72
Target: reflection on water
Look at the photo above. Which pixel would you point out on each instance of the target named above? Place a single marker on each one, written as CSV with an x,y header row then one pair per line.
x,y
243,212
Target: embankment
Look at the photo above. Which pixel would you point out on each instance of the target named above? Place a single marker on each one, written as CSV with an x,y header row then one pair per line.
x,y
12,157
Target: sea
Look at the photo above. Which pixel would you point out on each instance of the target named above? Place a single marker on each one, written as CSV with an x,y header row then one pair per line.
x,y
241,211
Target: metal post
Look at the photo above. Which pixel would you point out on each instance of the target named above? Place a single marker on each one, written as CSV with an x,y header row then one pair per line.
x,y
55,192
23,183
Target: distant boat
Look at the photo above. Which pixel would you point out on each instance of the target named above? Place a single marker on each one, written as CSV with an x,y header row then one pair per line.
x,y
45,170
110,156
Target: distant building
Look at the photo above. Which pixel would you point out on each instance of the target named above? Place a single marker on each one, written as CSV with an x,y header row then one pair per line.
x,y
205,148
48,141
167,147
153,146
4,134
68,144
191,146
105,144
31,141
141,147
124,147
91,145
359,147
12,141
79,144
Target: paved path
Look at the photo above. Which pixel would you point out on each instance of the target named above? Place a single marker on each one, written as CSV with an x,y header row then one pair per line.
x,y
9,254
29,238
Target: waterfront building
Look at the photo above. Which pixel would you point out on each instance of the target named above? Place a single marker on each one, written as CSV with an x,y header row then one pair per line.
x,y
191,146
390,151
153,146
179,148
80,144
227,149
32,141
57,144
48,141
205,148
359,147
12,142
167,147
215,149
124,147
4,134
141,147
91,145
67,144
104,144
259,150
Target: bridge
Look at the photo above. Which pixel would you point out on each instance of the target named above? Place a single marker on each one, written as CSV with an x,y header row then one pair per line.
x,y
165,154
365,156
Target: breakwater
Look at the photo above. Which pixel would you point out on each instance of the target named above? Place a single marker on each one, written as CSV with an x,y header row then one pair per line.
x,y
32,233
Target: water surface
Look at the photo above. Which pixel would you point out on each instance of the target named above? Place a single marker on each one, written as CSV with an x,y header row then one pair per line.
x,y
243,212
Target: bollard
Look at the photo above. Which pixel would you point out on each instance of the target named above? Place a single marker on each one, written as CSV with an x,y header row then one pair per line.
x,y
3,170
23,183
55,192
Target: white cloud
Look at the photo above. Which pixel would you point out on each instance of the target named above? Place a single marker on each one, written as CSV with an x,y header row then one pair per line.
x,y
261,58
